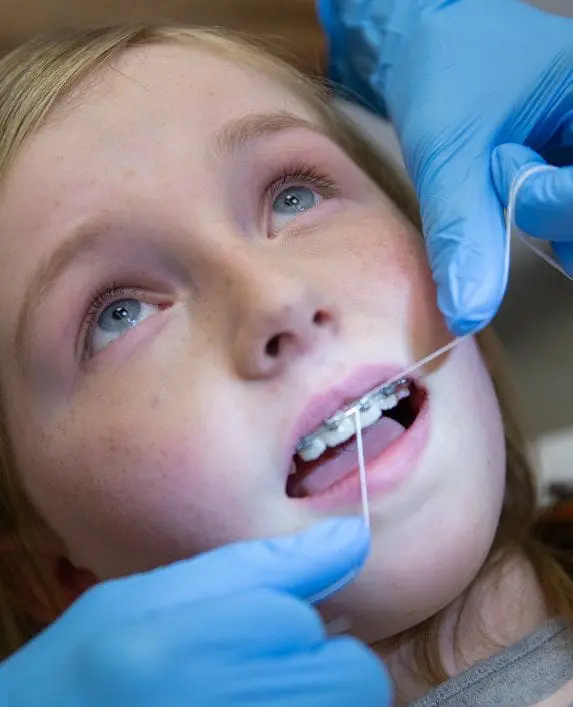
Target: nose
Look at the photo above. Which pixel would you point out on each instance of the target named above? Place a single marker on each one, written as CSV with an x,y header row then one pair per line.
x,y
280,317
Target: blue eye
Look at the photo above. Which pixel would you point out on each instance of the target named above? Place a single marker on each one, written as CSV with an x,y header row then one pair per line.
x,y
120,316
294,201
116,320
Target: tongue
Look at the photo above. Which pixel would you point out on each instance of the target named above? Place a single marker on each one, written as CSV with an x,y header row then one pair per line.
x,y
315,477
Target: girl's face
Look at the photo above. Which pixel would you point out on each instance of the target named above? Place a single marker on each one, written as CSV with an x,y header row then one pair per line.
x,y
192,276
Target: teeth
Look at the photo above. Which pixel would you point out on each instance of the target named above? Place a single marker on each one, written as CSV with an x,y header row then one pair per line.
x,y
370,413
311,448
335,435
341,428
402,393
388,402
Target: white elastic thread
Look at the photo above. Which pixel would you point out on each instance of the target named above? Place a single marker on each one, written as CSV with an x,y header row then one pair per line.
x,y
343,624
325,593
427,359
511,226
362,470
320,596
336,586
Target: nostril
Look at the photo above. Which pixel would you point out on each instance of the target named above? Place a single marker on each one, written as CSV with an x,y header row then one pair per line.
x,y
273,346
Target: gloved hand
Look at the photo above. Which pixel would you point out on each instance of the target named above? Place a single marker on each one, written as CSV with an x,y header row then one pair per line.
x,y
227,629
457,79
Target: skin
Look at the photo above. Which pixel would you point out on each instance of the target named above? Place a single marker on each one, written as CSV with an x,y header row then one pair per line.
x,y
171,440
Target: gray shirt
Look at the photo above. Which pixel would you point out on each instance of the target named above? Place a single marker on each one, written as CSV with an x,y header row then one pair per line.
x,y
525,674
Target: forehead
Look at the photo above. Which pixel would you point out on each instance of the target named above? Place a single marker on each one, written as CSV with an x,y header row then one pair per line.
x,y
164,84
158,102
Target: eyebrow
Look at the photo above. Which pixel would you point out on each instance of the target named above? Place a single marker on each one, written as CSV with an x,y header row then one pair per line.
x,y
237,134
232,138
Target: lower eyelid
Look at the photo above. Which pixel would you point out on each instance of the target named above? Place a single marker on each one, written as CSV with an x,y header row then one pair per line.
x,y
307,219
123,346
88,329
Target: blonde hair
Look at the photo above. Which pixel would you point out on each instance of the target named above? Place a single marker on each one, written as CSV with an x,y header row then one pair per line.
x,y
39,76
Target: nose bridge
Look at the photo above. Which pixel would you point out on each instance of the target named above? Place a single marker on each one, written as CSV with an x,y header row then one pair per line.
x,y
277,312
271,283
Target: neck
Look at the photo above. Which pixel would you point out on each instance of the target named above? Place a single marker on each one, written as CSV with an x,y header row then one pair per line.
x,y
502,607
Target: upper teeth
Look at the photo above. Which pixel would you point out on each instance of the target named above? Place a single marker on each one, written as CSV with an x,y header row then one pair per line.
x,y
342,426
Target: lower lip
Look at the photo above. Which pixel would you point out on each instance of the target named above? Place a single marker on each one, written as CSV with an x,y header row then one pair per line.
x,y
383,474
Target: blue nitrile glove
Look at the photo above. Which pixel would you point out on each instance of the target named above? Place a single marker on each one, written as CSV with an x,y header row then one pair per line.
x,y
230,628
459,78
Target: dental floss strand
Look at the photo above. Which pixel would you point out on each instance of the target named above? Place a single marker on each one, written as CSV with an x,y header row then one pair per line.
x,y
362,470
427,359
511,229
343,624
329,591
511,226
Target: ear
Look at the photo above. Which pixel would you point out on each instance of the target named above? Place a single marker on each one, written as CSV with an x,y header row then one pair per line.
x,y
38,578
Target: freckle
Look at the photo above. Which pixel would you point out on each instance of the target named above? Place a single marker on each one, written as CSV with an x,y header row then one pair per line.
x,y
155,402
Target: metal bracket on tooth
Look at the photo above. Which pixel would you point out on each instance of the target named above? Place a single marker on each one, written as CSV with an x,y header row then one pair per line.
x,y
363,404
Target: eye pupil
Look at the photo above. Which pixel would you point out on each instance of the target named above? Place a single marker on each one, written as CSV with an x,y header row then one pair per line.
x,y
120,313
120,316
292,200
295,200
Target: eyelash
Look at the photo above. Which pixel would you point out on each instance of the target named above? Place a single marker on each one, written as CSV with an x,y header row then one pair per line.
x,y
289,175
300,172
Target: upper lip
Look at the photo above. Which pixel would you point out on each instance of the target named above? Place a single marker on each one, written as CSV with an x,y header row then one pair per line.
x,y
323,405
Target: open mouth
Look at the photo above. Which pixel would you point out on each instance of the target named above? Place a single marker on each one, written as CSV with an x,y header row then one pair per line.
x,y
330,455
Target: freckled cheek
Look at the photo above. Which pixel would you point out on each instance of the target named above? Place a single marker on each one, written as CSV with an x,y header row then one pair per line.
x,y
384,259
163,489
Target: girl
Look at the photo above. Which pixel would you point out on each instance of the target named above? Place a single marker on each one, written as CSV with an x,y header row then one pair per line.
x,y
200,261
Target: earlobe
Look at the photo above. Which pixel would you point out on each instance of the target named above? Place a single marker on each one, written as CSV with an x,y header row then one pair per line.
x,y
74,581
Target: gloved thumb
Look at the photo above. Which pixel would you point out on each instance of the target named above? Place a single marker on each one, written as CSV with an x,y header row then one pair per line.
x,y
544,205
466,242
304,565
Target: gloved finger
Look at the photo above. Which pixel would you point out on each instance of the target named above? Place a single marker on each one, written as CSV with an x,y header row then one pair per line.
x,y
301,564
466,243
544,206
239,630
341,672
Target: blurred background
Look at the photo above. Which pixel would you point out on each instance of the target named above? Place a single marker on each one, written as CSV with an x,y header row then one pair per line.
x,y
535,322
